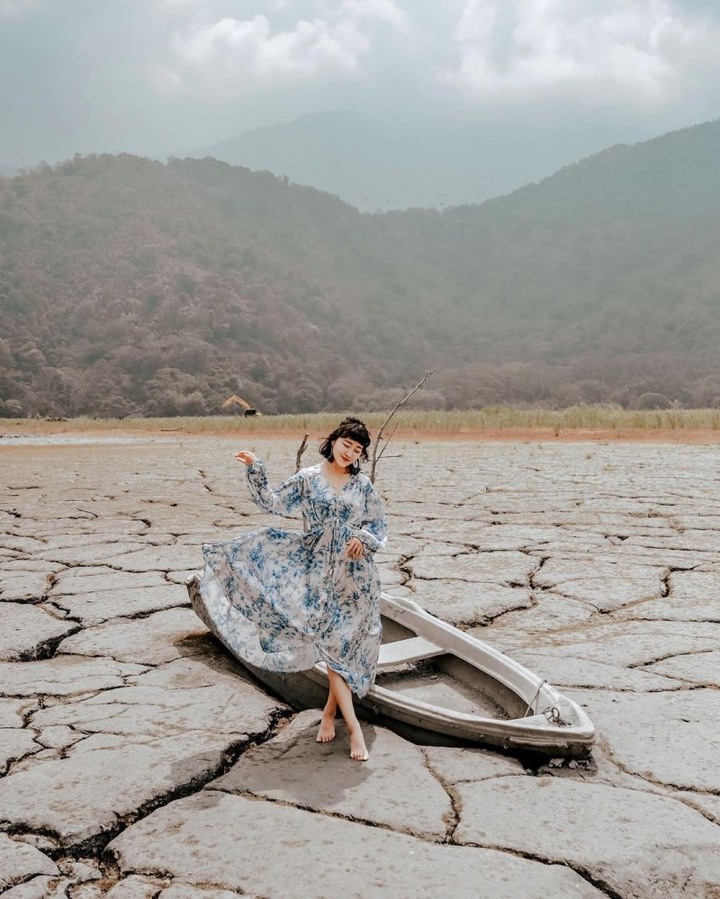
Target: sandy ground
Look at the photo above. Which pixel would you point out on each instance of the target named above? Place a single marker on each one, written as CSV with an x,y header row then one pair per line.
x,y
10,434
138,760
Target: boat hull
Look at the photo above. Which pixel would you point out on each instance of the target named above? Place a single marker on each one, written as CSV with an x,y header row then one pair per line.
x,y
501,703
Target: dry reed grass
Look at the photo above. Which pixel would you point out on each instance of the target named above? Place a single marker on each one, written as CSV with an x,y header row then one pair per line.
x,y
501,418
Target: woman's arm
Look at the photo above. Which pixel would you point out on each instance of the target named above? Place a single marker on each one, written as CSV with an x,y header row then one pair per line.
x,y
283,501
373,530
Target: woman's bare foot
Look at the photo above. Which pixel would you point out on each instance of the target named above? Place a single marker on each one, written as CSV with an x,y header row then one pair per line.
x,y
358,749
341,696
327,730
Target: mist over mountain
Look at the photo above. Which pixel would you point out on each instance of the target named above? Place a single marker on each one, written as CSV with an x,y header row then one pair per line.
x,y
134,286
377,164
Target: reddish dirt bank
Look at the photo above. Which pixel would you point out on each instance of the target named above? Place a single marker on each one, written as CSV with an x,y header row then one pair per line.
x,y
580,435
533,435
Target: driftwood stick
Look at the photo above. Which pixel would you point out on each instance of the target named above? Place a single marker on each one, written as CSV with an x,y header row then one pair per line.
x,y
387,442
376,456
298,458
301,450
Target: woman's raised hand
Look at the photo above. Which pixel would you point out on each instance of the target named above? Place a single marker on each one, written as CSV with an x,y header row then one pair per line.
x,y
245,457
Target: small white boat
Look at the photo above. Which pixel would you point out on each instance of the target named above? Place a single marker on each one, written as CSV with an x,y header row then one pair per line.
x,y
436,684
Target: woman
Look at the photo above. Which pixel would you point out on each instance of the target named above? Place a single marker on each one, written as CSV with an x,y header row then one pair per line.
x,y
288,599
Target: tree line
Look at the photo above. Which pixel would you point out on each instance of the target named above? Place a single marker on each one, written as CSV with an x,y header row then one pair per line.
x,y
134,287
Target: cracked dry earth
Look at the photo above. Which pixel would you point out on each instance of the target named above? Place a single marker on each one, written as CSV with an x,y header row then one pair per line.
x,y
138,760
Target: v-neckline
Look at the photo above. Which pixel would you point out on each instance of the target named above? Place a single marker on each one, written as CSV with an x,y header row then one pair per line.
x,y
330,487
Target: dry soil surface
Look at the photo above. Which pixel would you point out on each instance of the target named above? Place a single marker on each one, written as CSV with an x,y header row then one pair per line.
x,y
138,760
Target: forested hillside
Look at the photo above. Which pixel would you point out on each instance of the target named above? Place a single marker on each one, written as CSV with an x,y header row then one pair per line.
x,y
133,286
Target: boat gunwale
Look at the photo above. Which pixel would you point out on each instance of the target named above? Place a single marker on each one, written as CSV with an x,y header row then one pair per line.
x,y
542,690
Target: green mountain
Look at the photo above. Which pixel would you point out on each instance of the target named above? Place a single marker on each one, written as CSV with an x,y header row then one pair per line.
x,y
128,285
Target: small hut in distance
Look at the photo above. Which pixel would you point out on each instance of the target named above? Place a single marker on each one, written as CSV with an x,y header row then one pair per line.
x,y
235,403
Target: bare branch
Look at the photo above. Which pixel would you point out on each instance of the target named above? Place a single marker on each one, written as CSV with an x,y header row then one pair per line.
x,y
376,456
298,458
387,442
301,450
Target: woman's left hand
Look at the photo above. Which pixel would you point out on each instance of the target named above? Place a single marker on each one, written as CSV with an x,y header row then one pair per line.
x,y
354,548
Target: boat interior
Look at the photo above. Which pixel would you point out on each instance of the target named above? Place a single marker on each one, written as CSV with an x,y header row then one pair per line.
x,y
416,668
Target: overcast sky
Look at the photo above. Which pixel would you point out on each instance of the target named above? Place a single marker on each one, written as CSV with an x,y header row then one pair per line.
x,y
163,76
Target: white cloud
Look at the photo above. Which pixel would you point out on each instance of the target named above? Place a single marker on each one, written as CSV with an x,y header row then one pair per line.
x,y
233,52
385,11
227,55
598,49
17,8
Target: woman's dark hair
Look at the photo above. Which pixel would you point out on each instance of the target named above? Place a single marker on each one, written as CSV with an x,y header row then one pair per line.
x,y
352,429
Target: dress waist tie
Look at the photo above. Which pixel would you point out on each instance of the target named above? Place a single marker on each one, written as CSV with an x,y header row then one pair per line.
x,y
326,536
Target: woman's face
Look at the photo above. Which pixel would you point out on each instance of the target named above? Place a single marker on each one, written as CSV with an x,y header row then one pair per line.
x,y
346,451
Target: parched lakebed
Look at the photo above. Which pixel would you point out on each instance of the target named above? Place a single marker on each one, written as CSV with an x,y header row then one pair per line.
x,y
138,760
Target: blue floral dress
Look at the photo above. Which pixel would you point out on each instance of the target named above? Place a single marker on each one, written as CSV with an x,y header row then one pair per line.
x,y
286,599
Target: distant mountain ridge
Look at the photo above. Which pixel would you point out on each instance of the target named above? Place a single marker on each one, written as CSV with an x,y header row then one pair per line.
x,y
379,164
128,285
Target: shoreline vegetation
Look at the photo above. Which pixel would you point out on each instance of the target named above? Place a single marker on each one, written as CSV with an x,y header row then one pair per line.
x,y
574,423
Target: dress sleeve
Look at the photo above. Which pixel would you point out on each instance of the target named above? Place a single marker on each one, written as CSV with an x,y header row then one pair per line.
x,y
373,531
283,501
